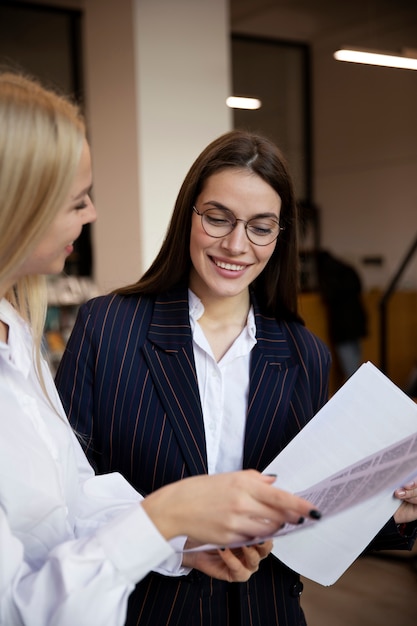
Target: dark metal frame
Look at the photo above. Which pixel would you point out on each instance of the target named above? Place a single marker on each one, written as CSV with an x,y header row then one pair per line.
x,y
305,79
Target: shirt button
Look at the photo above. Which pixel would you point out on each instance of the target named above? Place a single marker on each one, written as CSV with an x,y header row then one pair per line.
x,y
296,589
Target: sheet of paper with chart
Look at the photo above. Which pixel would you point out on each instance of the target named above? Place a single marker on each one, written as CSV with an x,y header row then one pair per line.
x,y
348,460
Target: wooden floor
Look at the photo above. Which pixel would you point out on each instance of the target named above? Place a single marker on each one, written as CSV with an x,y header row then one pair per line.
x,y
374,591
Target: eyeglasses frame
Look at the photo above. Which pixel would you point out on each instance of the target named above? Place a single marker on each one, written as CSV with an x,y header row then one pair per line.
x,y
237,219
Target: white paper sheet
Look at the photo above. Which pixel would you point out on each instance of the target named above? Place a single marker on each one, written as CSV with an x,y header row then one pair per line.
x,y
367,416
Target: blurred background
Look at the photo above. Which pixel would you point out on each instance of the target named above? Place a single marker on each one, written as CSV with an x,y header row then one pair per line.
x,y
153,77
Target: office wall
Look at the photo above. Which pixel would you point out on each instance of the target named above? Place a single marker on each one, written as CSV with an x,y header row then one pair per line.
x,y
153,105
366,164
364,132
182,82
156,82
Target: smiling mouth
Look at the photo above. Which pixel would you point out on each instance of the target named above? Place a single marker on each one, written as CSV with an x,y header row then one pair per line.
x,y
229,266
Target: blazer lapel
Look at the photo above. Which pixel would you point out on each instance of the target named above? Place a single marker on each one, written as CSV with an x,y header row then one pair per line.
x,y
169,354
272,377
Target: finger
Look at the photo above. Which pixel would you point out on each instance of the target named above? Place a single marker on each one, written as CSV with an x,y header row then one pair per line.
x,y
239,568
252,556
405,493
264,548
267,527
289,506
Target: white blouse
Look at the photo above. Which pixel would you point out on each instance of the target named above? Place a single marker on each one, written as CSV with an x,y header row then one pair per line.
x,y
224,391
72,544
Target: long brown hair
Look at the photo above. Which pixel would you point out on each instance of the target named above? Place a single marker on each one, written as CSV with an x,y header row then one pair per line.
x,y
276,288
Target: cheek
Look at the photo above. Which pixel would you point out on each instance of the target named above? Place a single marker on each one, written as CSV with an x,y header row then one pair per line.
x,y
265,253
198,242
45,249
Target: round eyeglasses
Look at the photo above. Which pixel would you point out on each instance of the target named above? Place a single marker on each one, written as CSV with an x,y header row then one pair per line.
x,y
260,230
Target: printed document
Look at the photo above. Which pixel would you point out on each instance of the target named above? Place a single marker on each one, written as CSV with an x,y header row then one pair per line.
x,y
347,461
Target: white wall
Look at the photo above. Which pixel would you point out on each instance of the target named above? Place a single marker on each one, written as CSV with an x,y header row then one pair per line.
x,y
182,79
157,76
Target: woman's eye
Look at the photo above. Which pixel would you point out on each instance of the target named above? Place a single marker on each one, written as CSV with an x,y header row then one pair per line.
x,y
263,227
218,218
260,230
81,205
217,221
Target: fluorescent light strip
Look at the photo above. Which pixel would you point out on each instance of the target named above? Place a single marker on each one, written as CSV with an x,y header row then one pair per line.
x,y
376,58
235,102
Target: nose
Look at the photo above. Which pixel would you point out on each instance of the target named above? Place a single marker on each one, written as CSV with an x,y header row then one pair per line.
x,y
90,213
236,241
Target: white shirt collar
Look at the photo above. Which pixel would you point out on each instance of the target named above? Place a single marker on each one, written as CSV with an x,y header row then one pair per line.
x,y
196,308
15,351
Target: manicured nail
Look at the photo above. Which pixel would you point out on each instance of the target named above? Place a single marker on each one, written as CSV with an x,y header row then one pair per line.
x,y
315,514
273,475
401,493
300,520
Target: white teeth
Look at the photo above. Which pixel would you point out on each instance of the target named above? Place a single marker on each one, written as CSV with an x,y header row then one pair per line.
x,y
229,266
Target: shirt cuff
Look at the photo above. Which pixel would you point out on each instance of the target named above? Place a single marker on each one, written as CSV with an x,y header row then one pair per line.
x,y
173,565
133,543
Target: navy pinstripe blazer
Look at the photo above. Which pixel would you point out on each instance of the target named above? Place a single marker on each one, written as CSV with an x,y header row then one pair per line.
x,y
129,385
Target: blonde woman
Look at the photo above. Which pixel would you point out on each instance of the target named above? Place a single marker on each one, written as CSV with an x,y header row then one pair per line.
x,y
72,544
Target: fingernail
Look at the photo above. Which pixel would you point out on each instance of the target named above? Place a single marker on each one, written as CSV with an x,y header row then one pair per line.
x,y
273,475
315,514
261,543
401,493
300,520
222,549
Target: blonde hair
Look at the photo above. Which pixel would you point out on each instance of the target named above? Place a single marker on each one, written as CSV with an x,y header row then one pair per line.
x,y
41,139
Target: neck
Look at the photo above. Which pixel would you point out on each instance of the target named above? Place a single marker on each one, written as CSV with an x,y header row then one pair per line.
x,y
5,286
227,310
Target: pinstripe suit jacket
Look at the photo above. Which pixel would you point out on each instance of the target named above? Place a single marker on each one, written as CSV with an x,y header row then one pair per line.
x,y
128,382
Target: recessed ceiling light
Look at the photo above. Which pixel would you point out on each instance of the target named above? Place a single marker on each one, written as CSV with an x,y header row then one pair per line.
x,y
235,102
371,57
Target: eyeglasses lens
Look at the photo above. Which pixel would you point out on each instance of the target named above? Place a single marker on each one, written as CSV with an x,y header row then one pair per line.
x,y
260,230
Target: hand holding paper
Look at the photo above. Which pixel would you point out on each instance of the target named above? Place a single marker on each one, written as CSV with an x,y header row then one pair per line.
x,y
349,434
347,461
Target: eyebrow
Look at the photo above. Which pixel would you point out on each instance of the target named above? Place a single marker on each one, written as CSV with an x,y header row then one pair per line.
x,y
219,205
85,192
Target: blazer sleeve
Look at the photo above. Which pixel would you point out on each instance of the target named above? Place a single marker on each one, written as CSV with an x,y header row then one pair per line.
x,y
394,536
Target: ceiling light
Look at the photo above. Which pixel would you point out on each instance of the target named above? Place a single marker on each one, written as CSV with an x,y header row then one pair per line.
x,y
235,102
384,59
